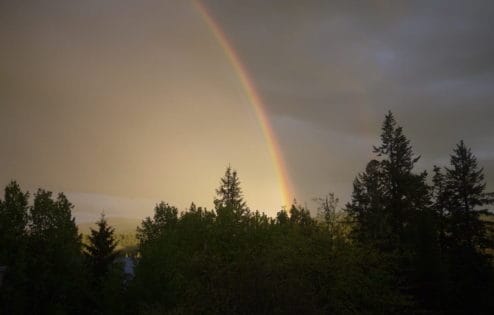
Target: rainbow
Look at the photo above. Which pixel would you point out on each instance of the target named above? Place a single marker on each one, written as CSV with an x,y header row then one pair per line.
x,y
255,100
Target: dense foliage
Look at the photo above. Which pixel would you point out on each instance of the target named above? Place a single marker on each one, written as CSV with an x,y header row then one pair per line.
x,y
41,250
406,243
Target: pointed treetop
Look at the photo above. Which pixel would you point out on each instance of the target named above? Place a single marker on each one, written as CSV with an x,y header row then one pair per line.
x,y
395,147
466,179
101,248
229,194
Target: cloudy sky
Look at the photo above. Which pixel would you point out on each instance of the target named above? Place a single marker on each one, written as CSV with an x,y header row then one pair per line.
x,y
124,103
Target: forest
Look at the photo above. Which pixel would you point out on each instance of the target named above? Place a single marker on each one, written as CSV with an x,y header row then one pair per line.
x,y
407,242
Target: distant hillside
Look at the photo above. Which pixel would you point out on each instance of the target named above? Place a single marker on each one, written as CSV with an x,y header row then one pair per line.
x,y
122,225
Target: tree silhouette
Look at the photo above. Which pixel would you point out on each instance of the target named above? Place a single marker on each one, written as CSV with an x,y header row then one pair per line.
x,y
100,251
371,222
403,191
55,264
13,222
388,196
466,234
400,246
165,216
229,195
465,187
14,212
391,211
327,210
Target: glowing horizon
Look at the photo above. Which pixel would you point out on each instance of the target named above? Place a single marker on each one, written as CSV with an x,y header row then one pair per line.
x,y
286,188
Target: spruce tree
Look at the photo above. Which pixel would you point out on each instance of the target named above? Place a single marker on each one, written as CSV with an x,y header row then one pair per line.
x,y
465,187
472,273
388,196
404,191
390,210
100,251
229,194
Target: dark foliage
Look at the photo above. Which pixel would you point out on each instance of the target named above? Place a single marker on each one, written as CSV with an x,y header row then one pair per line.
x,y
100,251
433,235
45,271
402,245
208,264
106,275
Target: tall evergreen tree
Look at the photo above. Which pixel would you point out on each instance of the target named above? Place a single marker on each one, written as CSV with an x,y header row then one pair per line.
x,y
388,195
100,251
390,209
106,273
404,192
467,238
467,197
229,194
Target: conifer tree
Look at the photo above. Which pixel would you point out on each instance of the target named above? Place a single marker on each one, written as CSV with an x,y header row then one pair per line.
x,y
388,196
467,198
404,192
472,276
100,251
390,209
229,194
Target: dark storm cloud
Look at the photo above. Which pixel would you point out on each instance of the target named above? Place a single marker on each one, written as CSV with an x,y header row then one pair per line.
x,y
311,57
338,66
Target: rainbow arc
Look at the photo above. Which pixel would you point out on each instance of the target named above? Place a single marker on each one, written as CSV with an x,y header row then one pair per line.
x,y
255,100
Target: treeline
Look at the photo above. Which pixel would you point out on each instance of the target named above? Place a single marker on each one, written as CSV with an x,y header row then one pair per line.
x,y
406,243
46,268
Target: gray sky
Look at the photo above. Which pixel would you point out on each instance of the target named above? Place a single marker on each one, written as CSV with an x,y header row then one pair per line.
x,y
329,71
124,103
